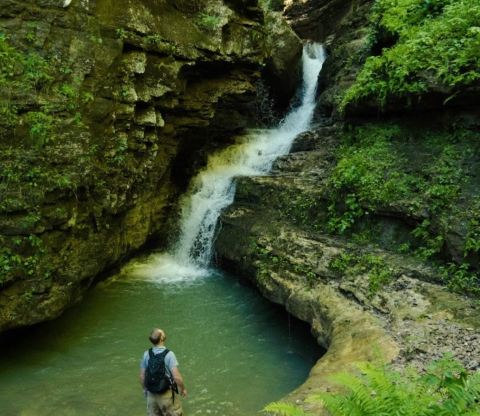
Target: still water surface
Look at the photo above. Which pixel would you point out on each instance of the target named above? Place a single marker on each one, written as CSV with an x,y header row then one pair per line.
x,y
236,351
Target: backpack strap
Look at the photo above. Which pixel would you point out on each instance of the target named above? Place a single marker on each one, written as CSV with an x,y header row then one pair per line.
x,y
163,354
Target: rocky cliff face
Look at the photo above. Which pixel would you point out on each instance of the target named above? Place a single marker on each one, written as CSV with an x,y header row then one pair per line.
x,y
369,227
363,300
108,108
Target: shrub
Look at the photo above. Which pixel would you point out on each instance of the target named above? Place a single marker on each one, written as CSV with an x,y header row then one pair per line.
x,y
460,278
368,175
437,43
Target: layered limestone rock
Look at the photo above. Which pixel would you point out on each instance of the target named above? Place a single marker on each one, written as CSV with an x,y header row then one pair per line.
x,y
362,227
318,19
126,97
364,302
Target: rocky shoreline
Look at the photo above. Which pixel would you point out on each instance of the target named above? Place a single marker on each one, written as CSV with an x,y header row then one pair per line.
x,y
408,321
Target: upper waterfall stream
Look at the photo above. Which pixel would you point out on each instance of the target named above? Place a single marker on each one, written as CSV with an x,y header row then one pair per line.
x,y
213,189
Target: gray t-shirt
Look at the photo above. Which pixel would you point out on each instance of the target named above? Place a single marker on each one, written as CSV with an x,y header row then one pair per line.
x,y
170,360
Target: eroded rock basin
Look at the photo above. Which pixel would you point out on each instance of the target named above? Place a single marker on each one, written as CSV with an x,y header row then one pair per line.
x,y
237,351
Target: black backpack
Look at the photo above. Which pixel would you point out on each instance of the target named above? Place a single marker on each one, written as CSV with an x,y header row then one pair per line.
x,y
156,378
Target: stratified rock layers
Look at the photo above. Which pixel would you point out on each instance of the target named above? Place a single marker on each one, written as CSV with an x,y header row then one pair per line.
x,y
272,236
146,87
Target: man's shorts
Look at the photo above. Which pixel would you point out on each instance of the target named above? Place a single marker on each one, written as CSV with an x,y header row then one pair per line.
x,y
163,405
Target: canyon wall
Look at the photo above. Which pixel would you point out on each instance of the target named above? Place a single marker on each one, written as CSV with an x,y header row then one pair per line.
x,y
108,108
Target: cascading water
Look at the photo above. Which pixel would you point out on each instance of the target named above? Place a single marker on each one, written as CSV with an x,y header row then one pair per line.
x,y
213,189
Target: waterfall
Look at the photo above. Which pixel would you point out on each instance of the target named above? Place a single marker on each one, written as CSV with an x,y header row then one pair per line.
x,y
213,189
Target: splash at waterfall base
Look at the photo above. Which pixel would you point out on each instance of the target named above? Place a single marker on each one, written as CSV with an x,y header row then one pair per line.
x,y
268,237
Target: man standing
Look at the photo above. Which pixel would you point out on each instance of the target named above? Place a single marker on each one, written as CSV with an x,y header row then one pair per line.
x,y
166,403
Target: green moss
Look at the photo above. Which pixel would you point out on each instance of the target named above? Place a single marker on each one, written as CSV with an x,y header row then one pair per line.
x,y
435,42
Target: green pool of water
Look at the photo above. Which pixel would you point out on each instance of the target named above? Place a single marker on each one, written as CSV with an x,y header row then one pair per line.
x,y
236,351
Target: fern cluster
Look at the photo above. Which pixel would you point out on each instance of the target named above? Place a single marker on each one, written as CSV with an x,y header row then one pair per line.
x,y
446,389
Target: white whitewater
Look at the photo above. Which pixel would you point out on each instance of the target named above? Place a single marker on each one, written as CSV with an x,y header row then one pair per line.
x,y
213,189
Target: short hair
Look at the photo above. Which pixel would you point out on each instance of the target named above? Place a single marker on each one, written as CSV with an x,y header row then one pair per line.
x,y
157,335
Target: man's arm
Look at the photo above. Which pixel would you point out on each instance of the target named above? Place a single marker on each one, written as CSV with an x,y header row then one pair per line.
x,y
179,380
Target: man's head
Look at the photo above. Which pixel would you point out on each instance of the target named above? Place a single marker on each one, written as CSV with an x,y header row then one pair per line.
x,y
157,336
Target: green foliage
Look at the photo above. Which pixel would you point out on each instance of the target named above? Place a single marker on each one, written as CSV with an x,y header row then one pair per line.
x,y
368,175
378,272
342,262
435,42
208,21
21,258
21,74
25,76
446,389
444,178
430,244
154,39
120,33
472,243
460,278
121,146
41,127
9,262
374,174
300,207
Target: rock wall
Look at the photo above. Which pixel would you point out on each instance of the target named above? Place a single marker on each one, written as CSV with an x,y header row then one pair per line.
x,y
319,19
364,302
369,228
109,107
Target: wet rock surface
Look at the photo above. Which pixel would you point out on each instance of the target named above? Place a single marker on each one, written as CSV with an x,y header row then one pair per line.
x,y
135,93
272,236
